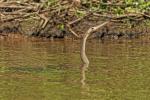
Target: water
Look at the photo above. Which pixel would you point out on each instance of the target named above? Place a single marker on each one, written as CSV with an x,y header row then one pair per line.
x,y
44,70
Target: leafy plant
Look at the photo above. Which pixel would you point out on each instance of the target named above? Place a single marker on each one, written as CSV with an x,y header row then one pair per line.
x,y
80,13
61,27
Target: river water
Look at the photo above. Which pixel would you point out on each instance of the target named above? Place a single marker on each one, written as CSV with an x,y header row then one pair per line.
x,y
52,70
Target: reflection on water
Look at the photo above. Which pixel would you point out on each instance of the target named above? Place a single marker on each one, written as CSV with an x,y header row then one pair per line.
x,y
83,74
43,70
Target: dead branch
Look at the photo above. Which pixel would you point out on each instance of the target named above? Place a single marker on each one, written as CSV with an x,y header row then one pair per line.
x,y
117,17
14,18
45,20
75,21
73,32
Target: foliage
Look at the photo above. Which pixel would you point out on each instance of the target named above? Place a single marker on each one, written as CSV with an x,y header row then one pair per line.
x,y
61,27
80,13
49,3
125,6
131,6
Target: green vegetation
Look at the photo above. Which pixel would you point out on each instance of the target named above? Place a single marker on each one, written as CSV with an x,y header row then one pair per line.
x,y
115,6
54,16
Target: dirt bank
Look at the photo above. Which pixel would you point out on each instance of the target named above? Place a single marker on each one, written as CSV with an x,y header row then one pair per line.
x,y
52,22
56,29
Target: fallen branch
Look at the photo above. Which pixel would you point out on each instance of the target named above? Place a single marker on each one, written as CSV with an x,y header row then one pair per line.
x,y
45,20
74,22
73,32
145,15
14,18
117,17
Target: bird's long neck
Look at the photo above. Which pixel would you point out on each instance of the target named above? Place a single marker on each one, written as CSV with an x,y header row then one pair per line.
x,y
83,50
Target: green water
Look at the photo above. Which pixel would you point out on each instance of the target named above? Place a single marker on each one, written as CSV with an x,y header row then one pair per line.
x,y
43,70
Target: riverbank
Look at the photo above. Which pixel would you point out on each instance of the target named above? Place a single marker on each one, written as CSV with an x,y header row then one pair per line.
x,y
64,20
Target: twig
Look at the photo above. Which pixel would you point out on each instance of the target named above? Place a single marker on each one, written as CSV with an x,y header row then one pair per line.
x,y
73,32
148,16
45,20
117,4
11,19
79,19
117,17
75,21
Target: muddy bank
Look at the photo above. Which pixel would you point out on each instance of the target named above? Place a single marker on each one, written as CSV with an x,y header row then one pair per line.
x,y
33,19
57,29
